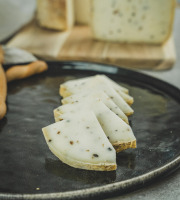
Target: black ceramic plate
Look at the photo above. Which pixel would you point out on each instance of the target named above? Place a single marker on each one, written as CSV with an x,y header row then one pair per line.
x,y
28,170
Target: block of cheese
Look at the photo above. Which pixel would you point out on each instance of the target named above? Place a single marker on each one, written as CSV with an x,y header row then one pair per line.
x,y
82,11
117,131
81,143
95,84
55,14
132,21
98,96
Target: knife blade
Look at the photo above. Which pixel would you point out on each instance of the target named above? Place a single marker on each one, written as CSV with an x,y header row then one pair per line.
x,y
13,55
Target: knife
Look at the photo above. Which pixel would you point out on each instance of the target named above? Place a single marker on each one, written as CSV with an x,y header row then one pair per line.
x,y
14,55
11,56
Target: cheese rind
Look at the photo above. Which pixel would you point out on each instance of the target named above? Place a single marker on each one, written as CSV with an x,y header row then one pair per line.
x,y
80,142
137,21
55,14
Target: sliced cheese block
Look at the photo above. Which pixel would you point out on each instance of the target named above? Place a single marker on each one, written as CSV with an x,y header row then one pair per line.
x,y
55,14
82,81
98,96
80,142
117,131
82,11
138,21
71,87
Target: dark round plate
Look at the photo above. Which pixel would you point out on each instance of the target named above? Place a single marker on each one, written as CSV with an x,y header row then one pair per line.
x,y
28,170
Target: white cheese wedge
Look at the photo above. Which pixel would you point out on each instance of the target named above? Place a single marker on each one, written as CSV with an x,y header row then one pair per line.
x,y
86,97
55,14
95,84
82,11
80,142
132,21
117,131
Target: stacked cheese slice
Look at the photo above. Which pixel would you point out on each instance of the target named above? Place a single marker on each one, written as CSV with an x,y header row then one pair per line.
x,y
91,122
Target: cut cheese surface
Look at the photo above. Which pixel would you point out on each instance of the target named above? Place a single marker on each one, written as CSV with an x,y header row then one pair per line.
x,y
80,142
86,97
117,131
95,84
138,21
116,86
83,81
122,91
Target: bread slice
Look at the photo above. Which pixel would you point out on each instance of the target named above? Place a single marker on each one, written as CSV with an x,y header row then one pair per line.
x,y
80,142
117,131
135,21
55,14
88,97
97,85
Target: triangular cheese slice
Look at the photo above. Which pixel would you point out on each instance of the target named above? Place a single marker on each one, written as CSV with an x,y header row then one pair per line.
x,y
73,86
96,85
80,142
88,97
117,131
122,91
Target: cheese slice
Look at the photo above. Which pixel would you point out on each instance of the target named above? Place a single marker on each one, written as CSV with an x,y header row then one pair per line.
x,y
80,142
83,81
55,14
114,84
82,11
87,97
117,131
95,84
132,21
122,91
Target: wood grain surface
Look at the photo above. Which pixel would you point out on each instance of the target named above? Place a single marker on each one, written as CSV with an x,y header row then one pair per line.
x,y
79,45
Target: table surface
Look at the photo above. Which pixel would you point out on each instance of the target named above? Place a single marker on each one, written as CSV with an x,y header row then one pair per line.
x,y
169,187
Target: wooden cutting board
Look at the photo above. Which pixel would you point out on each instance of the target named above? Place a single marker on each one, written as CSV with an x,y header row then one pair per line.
x,y
78,44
